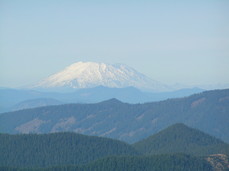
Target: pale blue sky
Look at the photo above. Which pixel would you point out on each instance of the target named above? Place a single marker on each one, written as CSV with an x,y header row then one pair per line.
x,y
169,41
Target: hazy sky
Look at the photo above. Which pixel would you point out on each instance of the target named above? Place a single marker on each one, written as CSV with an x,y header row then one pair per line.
x,y
183,42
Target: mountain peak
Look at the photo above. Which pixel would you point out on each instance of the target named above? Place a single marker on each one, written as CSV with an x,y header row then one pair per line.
x,y
85,65
112,101
92,74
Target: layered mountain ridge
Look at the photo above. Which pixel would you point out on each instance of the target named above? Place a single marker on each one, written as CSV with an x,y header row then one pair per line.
x,y
207,111
16,99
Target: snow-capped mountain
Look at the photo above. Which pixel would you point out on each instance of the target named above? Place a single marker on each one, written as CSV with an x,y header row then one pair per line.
x,y
91,74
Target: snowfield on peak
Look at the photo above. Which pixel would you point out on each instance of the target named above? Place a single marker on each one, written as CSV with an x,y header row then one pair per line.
x,y
91,74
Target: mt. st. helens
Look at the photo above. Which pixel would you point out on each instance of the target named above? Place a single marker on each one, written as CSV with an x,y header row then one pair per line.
x,y
91,74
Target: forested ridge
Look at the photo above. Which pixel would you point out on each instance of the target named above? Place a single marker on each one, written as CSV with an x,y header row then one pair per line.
x,y
179,138
71,151
57,149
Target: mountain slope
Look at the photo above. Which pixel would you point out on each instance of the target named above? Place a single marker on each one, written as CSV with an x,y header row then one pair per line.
x,y
207,111
57,149
179,138
220,162
177,162
91,74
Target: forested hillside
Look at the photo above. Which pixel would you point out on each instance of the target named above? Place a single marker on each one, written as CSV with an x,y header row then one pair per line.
x,y
176,148
177,162
57,149
179,138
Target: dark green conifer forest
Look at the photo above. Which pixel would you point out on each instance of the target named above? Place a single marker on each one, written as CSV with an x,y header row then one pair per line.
x,y
176,148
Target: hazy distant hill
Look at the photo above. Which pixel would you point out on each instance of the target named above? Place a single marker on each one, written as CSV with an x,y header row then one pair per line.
x,y
179,138
35,103
206,111
11,99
